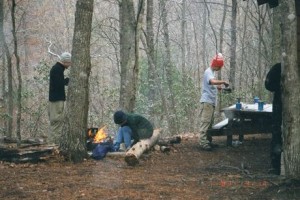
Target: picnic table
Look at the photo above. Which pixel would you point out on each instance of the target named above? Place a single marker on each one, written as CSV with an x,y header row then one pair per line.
x,y
247,120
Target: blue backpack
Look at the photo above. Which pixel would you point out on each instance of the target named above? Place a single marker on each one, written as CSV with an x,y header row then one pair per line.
x,y
101,150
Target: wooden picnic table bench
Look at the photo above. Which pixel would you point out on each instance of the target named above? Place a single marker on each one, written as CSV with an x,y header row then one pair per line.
x,y
248,120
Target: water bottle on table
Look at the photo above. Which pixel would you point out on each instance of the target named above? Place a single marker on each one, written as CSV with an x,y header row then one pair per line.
x,y
238,104
261,105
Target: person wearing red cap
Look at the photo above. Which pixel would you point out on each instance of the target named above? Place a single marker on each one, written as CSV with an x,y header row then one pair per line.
x,y
208,99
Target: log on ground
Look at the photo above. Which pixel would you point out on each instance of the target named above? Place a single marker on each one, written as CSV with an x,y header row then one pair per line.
x,y
19,155
134,153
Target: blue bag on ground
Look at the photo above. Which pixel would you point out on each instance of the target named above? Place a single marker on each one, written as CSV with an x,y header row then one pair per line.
x,y
101,150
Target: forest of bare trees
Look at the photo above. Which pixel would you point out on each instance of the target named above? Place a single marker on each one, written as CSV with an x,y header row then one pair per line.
x,y
146,56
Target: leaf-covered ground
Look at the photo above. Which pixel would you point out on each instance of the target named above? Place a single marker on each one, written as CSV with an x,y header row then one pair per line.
x,y
184,173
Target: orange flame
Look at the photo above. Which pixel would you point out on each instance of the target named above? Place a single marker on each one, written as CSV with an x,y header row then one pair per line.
x,y
100,135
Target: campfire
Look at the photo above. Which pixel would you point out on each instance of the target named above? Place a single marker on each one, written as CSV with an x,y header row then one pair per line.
x,y
96,136
99,136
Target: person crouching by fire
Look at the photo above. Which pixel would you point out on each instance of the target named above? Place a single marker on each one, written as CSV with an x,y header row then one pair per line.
x,y
132,127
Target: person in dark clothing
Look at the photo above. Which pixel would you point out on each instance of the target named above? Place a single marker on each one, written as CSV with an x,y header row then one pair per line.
x,y
132,127
57,96
273,84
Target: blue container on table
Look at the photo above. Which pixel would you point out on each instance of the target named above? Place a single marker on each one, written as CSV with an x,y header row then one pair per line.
x,y
260,105
238,104
256,99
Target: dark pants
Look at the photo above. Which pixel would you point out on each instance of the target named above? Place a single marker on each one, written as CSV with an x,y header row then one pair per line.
x,y
276,143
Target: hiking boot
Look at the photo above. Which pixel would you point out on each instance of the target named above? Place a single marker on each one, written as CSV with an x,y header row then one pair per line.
x,y
206,147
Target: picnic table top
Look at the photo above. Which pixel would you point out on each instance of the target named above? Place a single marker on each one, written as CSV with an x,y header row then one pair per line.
x,y
246,107
248,110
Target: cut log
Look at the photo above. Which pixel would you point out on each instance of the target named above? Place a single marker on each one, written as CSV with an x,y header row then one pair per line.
x,y
133,154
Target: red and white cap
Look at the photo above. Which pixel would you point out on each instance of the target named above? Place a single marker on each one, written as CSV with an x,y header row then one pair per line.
x,y
217,61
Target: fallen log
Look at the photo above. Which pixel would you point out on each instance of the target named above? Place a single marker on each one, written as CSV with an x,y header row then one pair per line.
x,y
25,155
133,154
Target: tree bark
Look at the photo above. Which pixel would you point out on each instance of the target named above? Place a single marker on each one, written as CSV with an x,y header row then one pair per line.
x,y
9,101
19,93
171,108
219,105
233,44
135,152
290,90
74,142
129,65
151,57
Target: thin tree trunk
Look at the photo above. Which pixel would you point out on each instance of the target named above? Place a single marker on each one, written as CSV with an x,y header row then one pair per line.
x,y
219,105
168,66
150,55
233,44
242,70
9,74
19,94
183,42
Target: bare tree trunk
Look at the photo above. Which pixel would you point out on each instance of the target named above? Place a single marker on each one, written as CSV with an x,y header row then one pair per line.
x,y
204,48
128,55
183,42
19,94
2,96
291,89
233,44
219,105
243,38
151,57
78,94
9,100
168,66
3,109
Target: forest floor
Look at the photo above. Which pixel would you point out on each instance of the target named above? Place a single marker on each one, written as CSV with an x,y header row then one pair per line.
x,y
185,172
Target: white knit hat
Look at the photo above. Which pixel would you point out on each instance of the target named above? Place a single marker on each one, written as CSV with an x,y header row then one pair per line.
x,y
65,57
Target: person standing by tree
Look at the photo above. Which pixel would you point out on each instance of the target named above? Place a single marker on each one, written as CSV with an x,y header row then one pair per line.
x,y
210,86
57,96
272,83
132,127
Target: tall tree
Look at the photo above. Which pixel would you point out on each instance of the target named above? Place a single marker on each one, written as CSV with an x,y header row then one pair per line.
x,y
291,89
169,69
78,94
19,93
219,105
130,28
9,101
233,44
151,57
